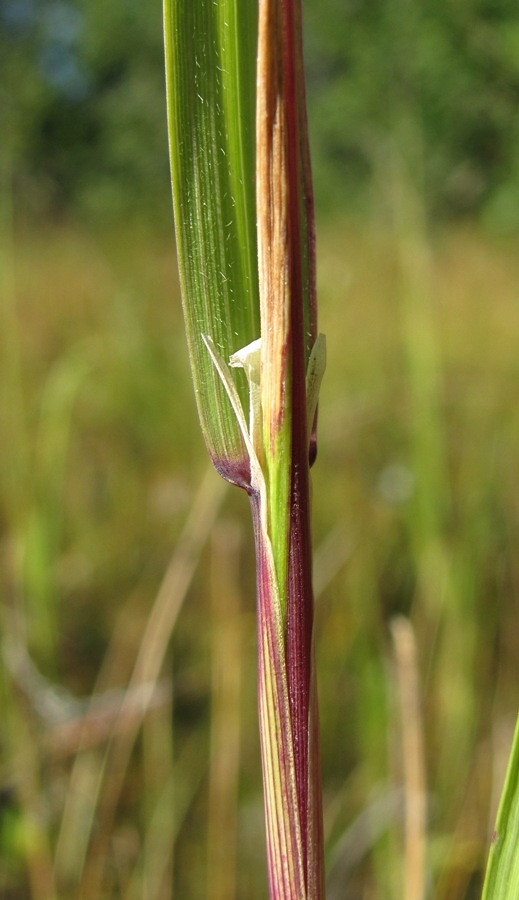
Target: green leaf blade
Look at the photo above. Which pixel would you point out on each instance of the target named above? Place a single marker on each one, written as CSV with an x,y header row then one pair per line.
x,y
211,132
502,878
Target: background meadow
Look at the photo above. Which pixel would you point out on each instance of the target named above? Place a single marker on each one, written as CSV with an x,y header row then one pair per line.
x,y
129,758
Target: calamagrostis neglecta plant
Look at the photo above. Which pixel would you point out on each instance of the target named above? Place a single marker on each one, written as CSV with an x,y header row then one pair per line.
x,y
244,224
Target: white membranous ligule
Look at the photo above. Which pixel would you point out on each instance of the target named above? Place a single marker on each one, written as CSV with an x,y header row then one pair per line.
x,y
248,359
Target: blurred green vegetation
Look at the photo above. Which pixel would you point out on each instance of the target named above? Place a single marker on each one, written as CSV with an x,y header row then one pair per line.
x,y
129,761
436,84
415,514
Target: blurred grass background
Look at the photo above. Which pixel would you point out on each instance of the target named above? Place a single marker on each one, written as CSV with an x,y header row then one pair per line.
x,y
129,760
